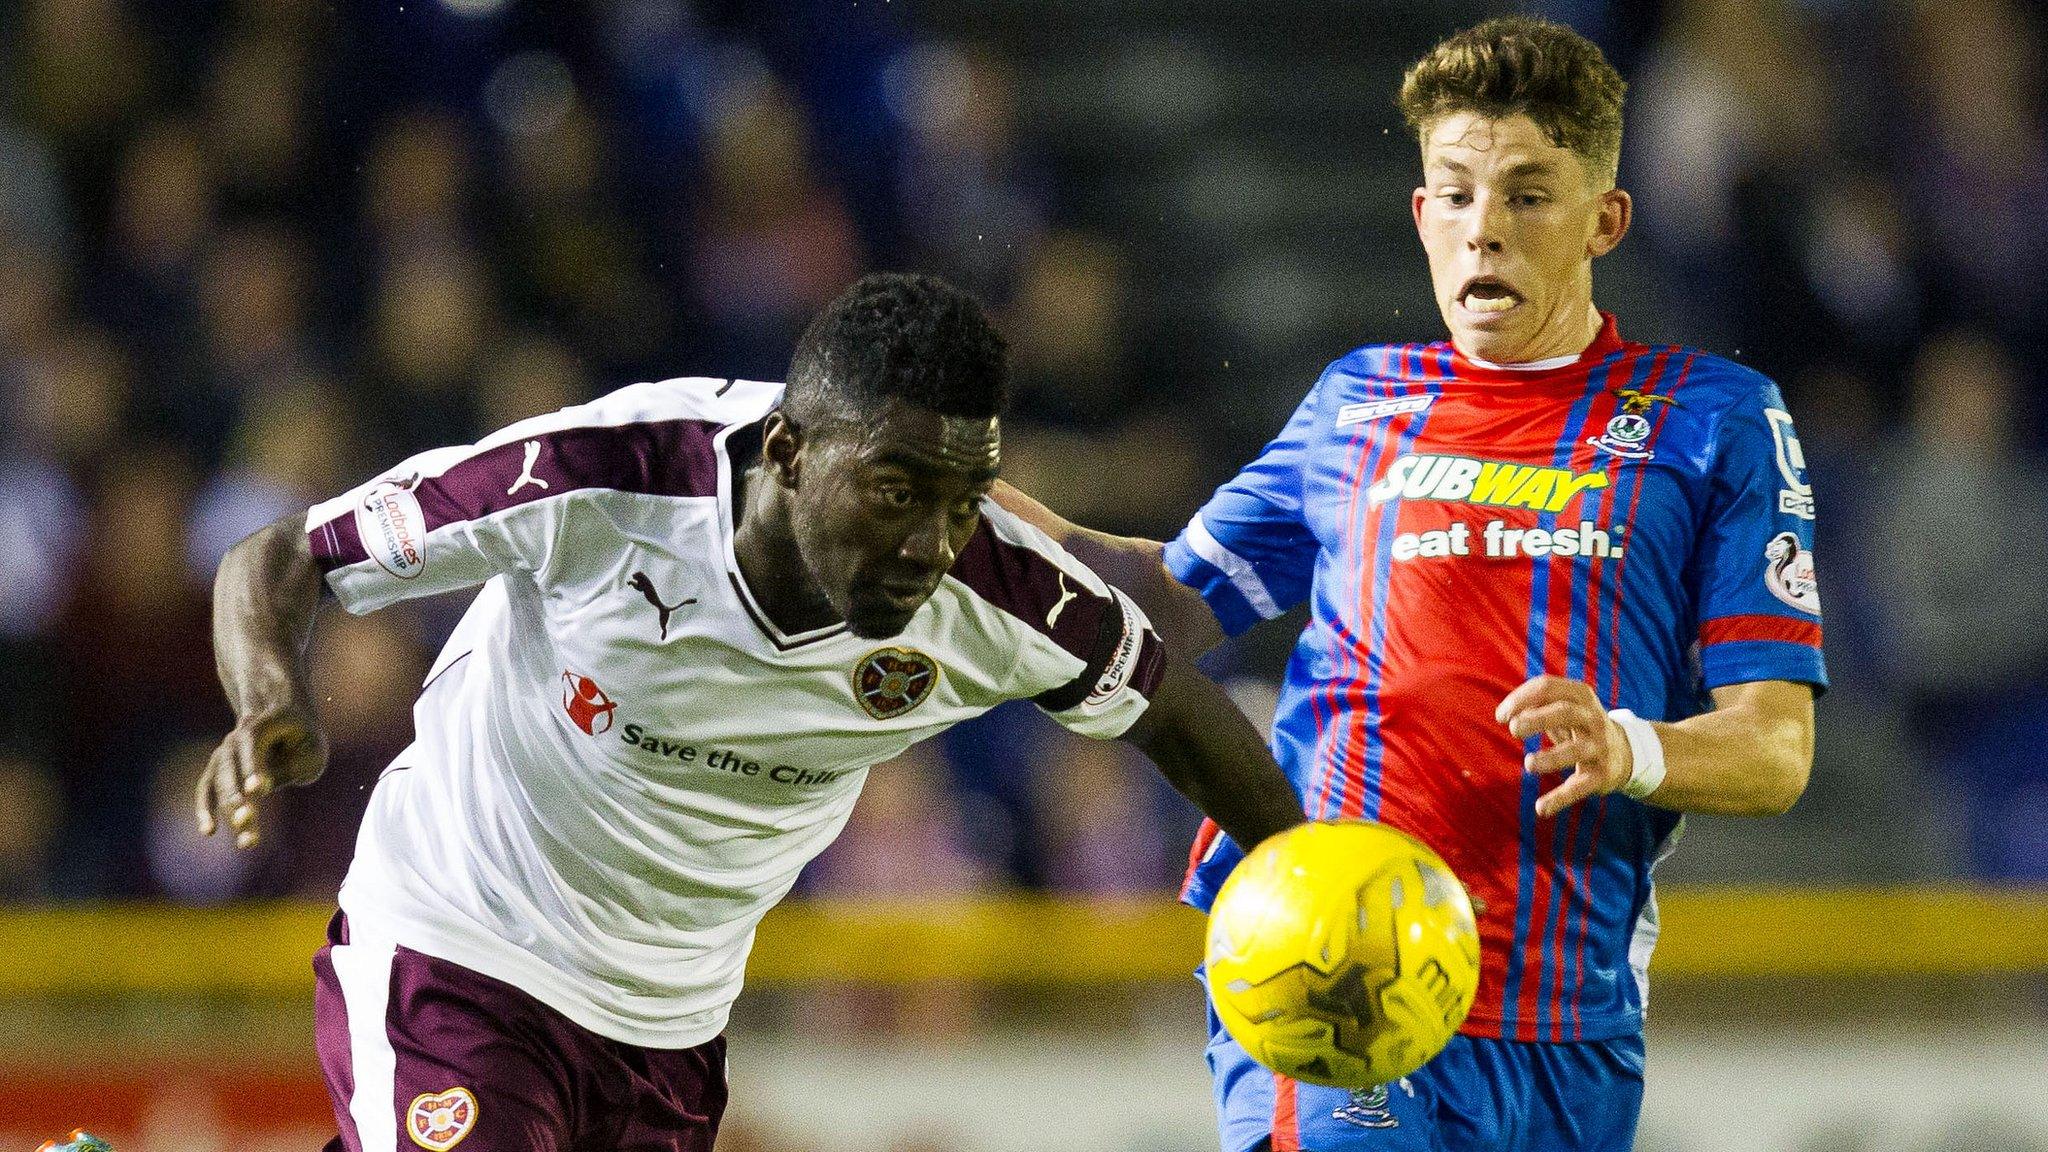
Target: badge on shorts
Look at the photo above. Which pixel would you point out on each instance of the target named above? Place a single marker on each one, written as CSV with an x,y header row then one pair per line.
x,y
1367,1108
438,1121
891,681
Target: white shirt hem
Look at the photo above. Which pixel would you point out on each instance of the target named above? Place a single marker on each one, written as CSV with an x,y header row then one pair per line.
x,y
500,960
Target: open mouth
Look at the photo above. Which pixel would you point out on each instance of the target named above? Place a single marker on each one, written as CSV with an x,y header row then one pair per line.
x,y
1488,295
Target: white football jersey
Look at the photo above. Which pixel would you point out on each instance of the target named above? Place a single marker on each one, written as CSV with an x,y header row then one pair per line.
x,y
620,763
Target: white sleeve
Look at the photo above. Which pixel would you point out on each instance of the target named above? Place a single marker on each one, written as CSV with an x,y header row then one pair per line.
x,y
1088,656
452,518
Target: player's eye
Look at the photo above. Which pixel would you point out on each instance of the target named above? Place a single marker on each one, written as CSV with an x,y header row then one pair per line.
x,y
1455,197
896,495
1530,199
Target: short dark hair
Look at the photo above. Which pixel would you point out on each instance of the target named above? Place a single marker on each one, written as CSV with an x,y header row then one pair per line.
x,y
900,336
1519,65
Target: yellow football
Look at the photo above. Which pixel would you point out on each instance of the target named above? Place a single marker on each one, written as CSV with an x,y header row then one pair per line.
x,y
1343,954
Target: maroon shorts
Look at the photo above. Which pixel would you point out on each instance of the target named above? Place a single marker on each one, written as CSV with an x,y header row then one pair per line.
x,y
422,1053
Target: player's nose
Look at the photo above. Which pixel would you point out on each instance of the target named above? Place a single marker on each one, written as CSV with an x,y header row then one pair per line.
x,y
1487,227
929,545
1485,239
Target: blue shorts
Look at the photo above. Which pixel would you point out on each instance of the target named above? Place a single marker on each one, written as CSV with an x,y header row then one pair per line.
x,y
1479,1095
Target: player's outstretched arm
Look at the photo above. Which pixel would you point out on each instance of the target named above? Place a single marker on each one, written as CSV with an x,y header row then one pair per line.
x,y
1750,756
265,597
1214,757
1133,564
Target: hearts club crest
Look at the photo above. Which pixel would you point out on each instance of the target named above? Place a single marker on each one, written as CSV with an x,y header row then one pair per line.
x,y
438,1121
891,681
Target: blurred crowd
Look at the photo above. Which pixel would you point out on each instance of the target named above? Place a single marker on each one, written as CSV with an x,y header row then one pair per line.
x,y
253,251
1855,197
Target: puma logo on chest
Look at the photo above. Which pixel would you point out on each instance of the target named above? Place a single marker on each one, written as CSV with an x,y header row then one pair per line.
x,y
645,584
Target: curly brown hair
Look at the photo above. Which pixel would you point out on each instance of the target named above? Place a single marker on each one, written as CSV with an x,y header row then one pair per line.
x,y
1519,65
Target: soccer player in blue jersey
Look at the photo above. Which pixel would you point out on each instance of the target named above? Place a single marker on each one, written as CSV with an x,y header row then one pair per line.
x,y
1562,592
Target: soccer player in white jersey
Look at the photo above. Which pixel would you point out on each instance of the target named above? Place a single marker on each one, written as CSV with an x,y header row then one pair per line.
x,y
707,608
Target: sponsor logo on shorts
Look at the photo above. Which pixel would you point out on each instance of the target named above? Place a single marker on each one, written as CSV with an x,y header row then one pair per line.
x,y
437,1121
393,529
1370,410
1788,573
587,705
1117,672
1796,497
891,681
1463,480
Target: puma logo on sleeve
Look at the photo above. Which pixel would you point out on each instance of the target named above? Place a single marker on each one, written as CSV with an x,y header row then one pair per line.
x,y
526,475
1052,618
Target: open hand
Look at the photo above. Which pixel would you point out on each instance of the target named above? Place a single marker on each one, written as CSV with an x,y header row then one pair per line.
x,y
1579,737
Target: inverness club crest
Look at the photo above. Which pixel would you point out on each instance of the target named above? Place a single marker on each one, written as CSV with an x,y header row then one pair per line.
x,y
891,681
1628,434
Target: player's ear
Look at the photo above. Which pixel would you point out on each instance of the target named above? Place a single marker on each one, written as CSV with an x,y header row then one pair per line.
x,y
1615,212
1421,195
782,444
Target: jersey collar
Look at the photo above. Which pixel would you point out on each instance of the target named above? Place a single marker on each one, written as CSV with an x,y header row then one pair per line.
x,y
1606,342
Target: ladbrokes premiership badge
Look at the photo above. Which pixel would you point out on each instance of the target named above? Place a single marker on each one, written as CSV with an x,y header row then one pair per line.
x,y
392,527
891,681
438,1121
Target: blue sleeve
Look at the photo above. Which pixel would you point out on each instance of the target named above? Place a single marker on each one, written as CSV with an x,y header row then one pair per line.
x,y
1759,598
1249,551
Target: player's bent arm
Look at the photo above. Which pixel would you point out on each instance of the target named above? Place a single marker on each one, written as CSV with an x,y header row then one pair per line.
x,y
1750,756
265,597
1132,563
1213,756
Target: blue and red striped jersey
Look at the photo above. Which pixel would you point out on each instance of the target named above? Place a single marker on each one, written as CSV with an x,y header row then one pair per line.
x,y
1637,517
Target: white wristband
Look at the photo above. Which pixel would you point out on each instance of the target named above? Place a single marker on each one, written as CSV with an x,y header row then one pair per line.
x,y
1646,753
